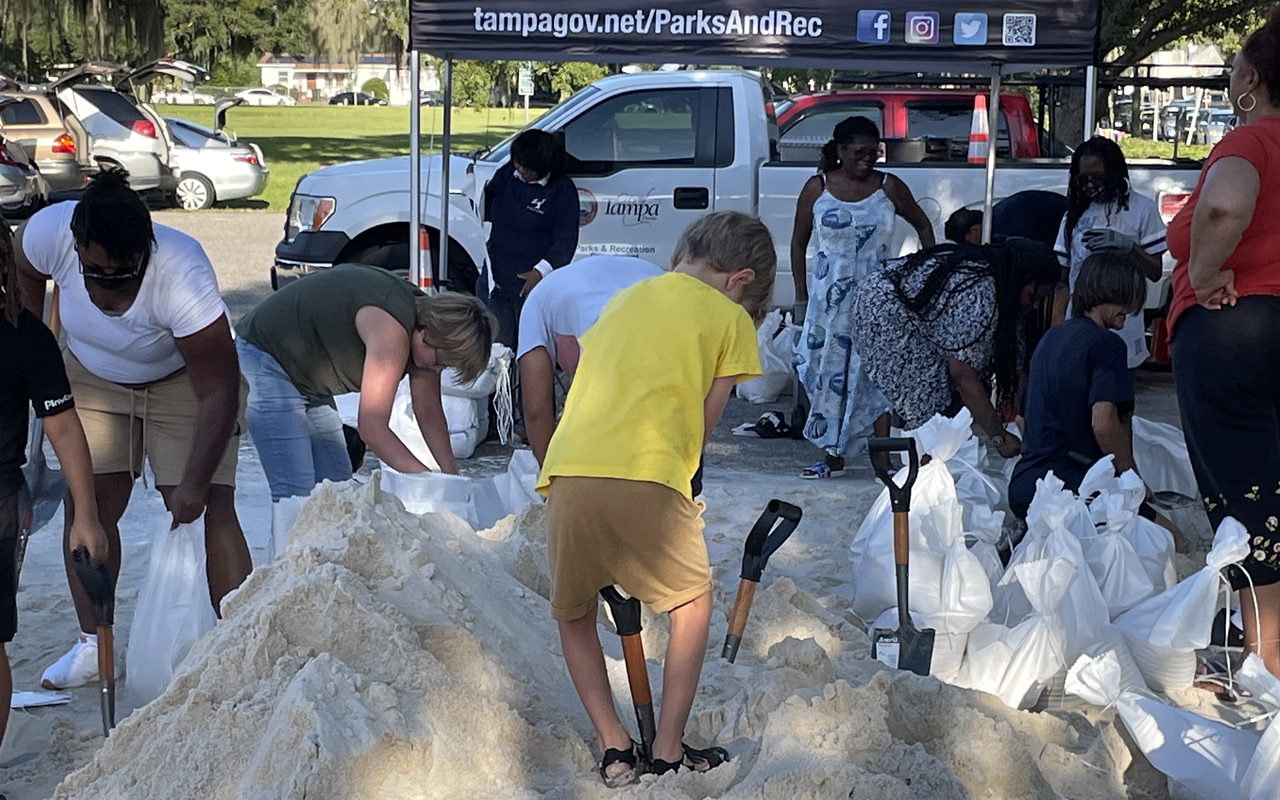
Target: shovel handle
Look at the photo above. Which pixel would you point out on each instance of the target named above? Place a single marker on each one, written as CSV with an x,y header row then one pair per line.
x,y
738,619
901,537
775,525
637,671
899,496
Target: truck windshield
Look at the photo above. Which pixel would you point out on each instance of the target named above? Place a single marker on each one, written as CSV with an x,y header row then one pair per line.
x,y
549,121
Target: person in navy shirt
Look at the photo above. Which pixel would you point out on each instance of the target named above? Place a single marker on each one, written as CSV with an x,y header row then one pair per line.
x,y
1079,395
533,209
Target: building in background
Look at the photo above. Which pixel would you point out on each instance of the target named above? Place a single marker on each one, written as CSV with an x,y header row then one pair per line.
x,y
307,79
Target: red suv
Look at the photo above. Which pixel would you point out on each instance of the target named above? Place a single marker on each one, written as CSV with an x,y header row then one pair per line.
x,y
917,125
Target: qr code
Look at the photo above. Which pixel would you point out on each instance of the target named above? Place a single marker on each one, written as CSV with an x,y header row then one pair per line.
x,y
1019,30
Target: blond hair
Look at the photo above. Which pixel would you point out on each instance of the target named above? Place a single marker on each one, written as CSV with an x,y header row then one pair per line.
x,y
728,241
460,328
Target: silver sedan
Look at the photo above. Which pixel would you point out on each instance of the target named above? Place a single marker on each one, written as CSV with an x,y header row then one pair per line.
x,y
213,167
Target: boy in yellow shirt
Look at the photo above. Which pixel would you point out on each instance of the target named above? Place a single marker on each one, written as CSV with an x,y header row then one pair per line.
x,y
655,373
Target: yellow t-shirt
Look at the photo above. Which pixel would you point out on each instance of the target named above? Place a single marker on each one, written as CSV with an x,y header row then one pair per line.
x,y
635,410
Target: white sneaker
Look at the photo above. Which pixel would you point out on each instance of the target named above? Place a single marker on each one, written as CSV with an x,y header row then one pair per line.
x,y
77,667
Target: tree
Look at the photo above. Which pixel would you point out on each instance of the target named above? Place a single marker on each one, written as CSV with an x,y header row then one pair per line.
x,y
1135,29
376,87
570,76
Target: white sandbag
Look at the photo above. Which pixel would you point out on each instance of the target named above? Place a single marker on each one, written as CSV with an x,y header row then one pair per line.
x,y
1121,575
1202,759
1160,452
430,492
1015,663
467,420
776,338
983,536
1179,620
1152,543
284,512
483,386
516,485
489,507
173,611
1262,778
975,488
1056,522
948,648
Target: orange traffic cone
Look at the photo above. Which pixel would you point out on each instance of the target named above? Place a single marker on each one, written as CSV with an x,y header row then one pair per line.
x,y
1160,343
979,132
424,261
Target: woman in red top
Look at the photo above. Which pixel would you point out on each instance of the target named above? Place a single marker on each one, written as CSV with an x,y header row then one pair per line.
x,y
1225,318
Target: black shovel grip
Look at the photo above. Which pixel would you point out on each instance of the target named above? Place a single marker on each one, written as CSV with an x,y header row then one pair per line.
x,y
899,496
97,584
625,611
766,537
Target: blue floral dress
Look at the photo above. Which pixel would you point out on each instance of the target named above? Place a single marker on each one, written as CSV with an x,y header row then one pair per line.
x,y
852,242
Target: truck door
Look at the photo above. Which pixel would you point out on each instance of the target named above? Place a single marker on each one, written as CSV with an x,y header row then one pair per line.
x,y
644,165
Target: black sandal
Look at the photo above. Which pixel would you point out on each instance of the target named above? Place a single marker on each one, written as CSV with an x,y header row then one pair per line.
x,y
712,757
630,757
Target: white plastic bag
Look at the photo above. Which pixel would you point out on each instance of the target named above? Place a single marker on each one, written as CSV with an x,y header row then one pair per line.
x,y
1165,631
173,611
776,337
1262,779
430,492
1202,759
983,535
1015,663
1110,554
284,512
1160,451
467,418
516,485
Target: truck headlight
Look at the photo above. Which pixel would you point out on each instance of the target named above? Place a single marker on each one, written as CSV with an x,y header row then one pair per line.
x,y
307,213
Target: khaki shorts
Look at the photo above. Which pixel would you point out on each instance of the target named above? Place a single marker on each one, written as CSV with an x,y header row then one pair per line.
x,y
157,421
644,537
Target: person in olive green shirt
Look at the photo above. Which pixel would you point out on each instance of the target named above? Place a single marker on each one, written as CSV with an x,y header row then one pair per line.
x,y
352,328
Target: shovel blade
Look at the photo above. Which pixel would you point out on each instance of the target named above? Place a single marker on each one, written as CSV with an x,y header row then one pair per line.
x,y
909,650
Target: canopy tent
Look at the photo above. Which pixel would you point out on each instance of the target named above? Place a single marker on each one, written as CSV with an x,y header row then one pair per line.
x,y
1010,36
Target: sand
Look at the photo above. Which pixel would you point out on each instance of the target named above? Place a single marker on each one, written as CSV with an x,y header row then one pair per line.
x,y
386,655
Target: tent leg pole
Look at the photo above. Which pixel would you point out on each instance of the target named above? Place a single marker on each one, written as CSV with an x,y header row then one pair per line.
x,y
415,170
445,145
993,125
1090,100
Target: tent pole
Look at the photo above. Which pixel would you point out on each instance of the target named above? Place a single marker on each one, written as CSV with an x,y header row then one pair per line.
x,y
993,126
444,171
1090,100
415,170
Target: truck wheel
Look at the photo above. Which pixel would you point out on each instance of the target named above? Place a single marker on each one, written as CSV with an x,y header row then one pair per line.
x,y
394,256
194,192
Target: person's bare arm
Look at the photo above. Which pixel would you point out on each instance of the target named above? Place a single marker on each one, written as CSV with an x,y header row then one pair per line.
x,y
67,437
713,406
1152,265
386,355
907,207
1223,211
1113,436
424,394
538,399
31,282
214,370
978,401
801,232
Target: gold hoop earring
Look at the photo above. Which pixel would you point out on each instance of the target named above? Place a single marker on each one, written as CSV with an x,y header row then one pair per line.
x,y
1252,104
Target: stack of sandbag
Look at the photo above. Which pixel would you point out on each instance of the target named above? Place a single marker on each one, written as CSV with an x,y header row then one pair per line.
x,y
950,588
1164,631
1262,780
777,337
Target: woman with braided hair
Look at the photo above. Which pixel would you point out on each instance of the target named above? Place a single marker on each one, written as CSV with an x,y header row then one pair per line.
x,y
948,321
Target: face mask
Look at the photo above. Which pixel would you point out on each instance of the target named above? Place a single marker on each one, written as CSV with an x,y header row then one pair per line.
x,y
1103,194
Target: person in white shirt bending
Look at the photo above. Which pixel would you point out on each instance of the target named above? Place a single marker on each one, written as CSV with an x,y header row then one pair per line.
x,y
154,372
1104,214
564,304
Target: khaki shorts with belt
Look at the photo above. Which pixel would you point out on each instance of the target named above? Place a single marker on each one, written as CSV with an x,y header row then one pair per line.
x,y
641,536
157,421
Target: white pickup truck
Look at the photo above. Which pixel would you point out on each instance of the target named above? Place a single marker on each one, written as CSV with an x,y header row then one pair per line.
x,y
649,152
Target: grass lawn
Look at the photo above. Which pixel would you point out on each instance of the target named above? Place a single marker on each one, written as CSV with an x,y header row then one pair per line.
x,y
1145,148
297,140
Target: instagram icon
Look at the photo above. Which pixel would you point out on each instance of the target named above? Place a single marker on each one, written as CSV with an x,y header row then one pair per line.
x,y
922,27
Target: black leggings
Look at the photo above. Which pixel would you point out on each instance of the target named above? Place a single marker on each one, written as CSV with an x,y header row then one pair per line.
x,y
1226,365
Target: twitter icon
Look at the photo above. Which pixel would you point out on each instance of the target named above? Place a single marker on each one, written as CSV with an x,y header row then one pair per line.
x,y
970,29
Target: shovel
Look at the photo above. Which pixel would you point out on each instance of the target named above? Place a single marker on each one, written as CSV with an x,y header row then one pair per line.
x,y
98,585
773,528
906,648
626,619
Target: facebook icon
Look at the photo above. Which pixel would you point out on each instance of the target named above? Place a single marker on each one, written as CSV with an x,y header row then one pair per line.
x,y
873,27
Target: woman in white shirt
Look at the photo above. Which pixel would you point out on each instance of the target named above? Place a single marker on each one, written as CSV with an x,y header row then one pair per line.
x,y
1103,213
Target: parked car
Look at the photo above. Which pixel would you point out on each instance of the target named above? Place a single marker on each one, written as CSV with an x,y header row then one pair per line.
x,y
917,125
52,137
213,167
355,99
22,190
427,98
124,130
265,97
183,97
1216,125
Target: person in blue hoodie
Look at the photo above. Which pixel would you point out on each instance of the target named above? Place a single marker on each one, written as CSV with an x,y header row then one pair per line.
x,y
533,209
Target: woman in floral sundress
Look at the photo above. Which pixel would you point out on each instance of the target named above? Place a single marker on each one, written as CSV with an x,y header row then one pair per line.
x,y
848,209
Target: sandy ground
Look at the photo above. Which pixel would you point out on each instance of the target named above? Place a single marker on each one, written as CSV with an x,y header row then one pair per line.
x,y
43,745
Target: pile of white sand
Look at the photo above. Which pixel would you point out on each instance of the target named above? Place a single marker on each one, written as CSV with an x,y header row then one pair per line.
x,y
385,655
